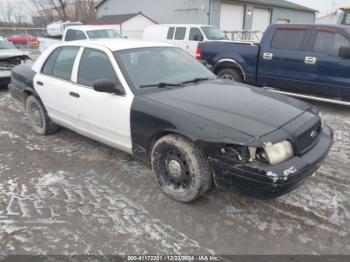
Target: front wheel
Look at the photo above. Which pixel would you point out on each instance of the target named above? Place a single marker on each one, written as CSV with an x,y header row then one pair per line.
x,y
180,168
40,121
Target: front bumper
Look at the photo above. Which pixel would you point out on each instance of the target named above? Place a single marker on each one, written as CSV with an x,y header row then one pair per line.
x,y
266,181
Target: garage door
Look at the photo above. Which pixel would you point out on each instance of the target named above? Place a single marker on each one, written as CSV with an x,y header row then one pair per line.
x,y
261,19
231,17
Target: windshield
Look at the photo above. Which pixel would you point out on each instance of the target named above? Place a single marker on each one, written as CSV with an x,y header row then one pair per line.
x,y
213,33
167,66
103,33
4,44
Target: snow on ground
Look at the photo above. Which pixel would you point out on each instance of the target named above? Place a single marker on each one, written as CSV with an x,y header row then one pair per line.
x,y
66,194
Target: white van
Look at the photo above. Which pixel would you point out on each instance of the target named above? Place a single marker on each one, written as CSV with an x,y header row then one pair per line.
x,y
183,36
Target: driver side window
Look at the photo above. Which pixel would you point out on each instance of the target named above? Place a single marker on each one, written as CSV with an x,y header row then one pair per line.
x,y
196,35
95,65
330,42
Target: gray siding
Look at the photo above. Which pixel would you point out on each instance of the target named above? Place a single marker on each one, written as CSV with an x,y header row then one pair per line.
x,y
162,11
215,10
194,11
294,16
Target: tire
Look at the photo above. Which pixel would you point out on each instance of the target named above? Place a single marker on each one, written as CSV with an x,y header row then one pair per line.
x,y
230,74
40,121
180,168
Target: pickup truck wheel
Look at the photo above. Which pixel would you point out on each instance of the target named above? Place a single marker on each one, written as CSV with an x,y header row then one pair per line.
x,y
180,168
230,74
40,121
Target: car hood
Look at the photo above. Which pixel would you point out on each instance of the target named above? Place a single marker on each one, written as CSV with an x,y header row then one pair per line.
x,y
8,53
250,110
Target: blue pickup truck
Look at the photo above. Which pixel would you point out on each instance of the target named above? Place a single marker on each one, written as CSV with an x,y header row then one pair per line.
x,y
306,59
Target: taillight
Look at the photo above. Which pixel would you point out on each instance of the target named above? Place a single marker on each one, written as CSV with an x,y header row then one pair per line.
x,y
199,53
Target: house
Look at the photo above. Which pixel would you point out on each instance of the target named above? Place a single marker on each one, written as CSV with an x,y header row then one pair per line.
x,y
328,19
130,25
228,15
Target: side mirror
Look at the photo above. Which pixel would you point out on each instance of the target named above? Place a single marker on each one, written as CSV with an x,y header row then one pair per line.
x,y
108,86
344,52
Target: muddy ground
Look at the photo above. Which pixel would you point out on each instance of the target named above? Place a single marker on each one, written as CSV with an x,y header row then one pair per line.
x,y
66,194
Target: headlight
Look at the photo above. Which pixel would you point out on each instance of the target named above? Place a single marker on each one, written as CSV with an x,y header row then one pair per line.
x,y
279,152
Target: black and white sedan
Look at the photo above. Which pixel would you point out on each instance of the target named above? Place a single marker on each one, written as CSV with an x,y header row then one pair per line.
x,y
157,103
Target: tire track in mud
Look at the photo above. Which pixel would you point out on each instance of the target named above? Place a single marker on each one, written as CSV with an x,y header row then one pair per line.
x,y
58,204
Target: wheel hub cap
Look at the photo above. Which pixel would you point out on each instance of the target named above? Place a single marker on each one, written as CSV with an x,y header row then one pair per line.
x,y
174,168
226,77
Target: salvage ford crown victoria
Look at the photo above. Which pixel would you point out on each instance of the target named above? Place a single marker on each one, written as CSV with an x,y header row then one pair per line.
x,y
157,103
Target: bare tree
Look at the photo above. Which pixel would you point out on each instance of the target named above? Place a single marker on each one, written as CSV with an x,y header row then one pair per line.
x,y
85,10
60,7
73,10
6,12
52,9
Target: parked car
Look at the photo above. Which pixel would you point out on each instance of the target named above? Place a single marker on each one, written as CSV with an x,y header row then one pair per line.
x,y
311,59
159,104
81,32
20,40
10,56
184,36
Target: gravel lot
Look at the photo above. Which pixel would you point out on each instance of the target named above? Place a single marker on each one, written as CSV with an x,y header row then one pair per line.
x,y
66,194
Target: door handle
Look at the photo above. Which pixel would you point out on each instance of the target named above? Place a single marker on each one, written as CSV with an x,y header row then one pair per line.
x,y
73,94
310,60
268,56
40,83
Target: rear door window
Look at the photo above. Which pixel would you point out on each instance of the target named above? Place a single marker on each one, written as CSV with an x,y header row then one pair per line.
x,y
64,62
95,65
50,62
290,39
171,31
330,42
180,33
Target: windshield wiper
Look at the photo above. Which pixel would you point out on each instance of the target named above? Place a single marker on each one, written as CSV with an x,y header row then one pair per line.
x,y
196,80
161,85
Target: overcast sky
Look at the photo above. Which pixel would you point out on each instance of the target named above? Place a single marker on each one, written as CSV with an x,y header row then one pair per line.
x,y
324,6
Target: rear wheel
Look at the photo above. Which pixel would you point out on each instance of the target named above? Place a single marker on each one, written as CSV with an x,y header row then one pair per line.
x,y
180,168
230,74
40,121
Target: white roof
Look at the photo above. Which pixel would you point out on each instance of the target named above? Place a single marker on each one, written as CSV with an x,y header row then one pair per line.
x,y
115,44
90,27
190,25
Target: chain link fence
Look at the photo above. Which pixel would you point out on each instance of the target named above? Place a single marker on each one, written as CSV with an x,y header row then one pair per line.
x,y
32,40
